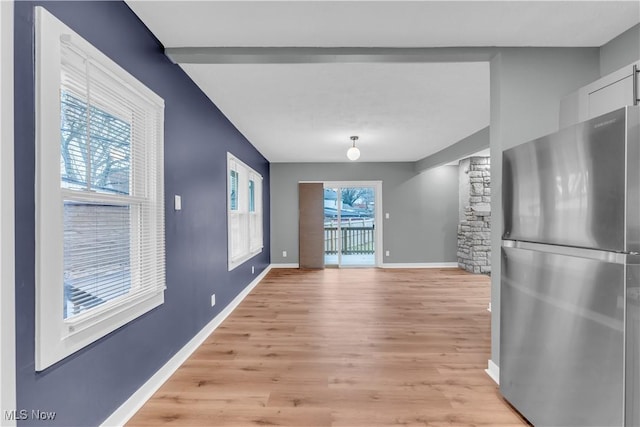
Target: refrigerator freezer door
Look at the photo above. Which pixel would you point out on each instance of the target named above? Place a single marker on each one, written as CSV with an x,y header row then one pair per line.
x,y
561,337
570,188
632,337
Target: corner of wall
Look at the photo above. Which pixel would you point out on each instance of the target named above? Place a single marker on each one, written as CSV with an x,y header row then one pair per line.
x,y
493,371
495,138
620,51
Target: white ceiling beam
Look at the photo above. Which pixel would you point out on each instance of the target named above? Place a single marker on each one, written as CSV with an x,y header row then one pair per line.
x,y
324,55
472,144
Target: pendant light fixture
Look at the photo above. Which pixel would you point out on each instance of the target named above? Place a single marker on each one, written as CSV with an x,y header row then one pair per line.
x,y
353,153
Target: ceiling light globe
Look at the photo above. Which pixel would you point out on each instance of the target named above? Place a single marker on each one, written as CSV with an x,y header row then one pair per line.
x,y
353,153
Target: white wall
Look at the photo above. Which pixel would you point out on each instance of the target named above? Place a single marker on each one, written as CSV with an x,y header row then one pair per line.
x,y
7,266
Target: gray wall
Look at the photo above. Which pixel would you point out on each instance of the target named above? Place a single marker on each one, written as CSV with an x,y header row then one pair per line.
x,y
526,88
423,207
621,51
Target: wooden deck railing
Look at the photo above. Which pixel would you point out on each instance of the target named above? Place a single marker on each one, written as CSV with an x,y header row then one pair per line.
x,y
354,240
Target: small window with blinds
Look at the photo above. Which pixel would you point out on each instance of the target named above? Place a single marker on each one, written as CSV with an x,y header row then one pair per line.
x,y
100,194
244,212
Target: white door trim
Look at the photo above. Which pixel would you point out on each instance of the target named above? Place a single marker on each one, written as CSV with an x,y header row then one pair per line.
x,y
377,185
7,223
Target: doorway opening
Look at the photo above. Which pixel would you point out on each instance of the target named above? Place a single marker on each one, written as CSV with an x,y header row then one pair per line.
x,y
352,228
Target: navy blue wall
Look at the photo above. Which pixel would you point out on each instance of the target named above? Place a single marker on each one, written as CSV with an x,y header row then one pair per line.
x,y
88,386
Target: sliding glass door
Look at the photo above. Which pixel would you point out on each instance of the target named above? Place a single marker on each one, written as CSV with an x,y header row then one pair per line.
x,y
350,225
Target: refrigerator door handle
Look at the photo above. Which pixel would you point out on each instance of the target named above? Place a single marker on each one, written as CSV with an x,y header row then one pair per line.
x,y
594,254
636,93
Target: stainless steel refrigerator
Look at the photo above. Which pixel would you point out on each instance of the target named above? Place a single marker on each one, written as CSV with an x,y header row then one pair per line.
x,y
570,290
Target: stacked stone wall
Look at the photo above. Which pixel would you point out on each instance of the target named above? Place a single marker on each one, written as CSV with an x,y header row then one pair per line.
x,y
474,230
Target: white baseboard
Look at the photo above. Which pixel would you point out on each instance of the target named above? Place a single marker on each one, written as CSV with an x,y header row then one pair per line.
x,y
421,265
129,408
389,265
493,371
292,265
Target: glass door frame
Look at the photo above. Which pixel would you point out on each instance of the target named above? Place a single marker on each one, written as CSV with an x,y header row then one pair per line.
x,y
377,187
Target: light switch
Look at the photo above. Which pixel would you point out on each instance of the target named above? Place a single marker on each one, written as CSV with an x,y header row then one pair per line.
x,y
178,203
386,215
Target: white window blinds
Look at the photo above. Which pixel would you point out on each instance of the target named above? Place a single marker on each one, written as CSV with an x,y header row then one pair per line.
x,y
244,212
255,213
100,195
113,223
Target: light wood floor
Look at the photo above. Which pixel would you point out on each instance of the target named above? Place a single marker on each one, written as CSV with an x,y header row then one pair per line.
x,y
343,347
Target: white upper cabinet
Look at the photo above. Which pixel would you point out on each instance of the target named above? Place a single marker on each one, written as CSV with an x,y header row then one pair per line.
x,y
609,93
606,94
611,97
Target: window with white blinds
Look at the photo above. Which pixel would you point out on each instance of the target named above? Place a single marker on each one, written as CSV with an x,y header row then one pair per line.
x,y
100,194
244,213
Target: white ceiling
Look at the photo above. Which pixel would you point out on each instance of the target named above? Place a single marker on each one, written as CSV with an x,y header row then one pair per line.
x,y
401,111
307,112
386,23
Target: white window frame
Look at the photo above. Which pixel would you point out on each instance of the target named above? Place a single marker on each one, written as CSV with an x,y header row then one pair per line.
x,y
7,219
244,228
56,337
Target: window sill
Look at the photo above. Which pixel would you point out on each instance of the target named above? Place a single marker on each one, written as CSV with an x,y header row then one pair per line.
x,y
236,263
112,319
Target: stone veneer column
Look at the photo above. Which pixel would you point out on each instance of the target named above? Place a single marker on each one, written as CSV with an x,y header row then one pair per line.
x,y
474,231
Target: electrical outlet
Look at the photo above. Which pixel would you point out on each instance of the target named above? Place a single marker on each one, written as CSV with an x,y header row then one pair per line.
x,y
386,253
253,270
213,300
284,254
